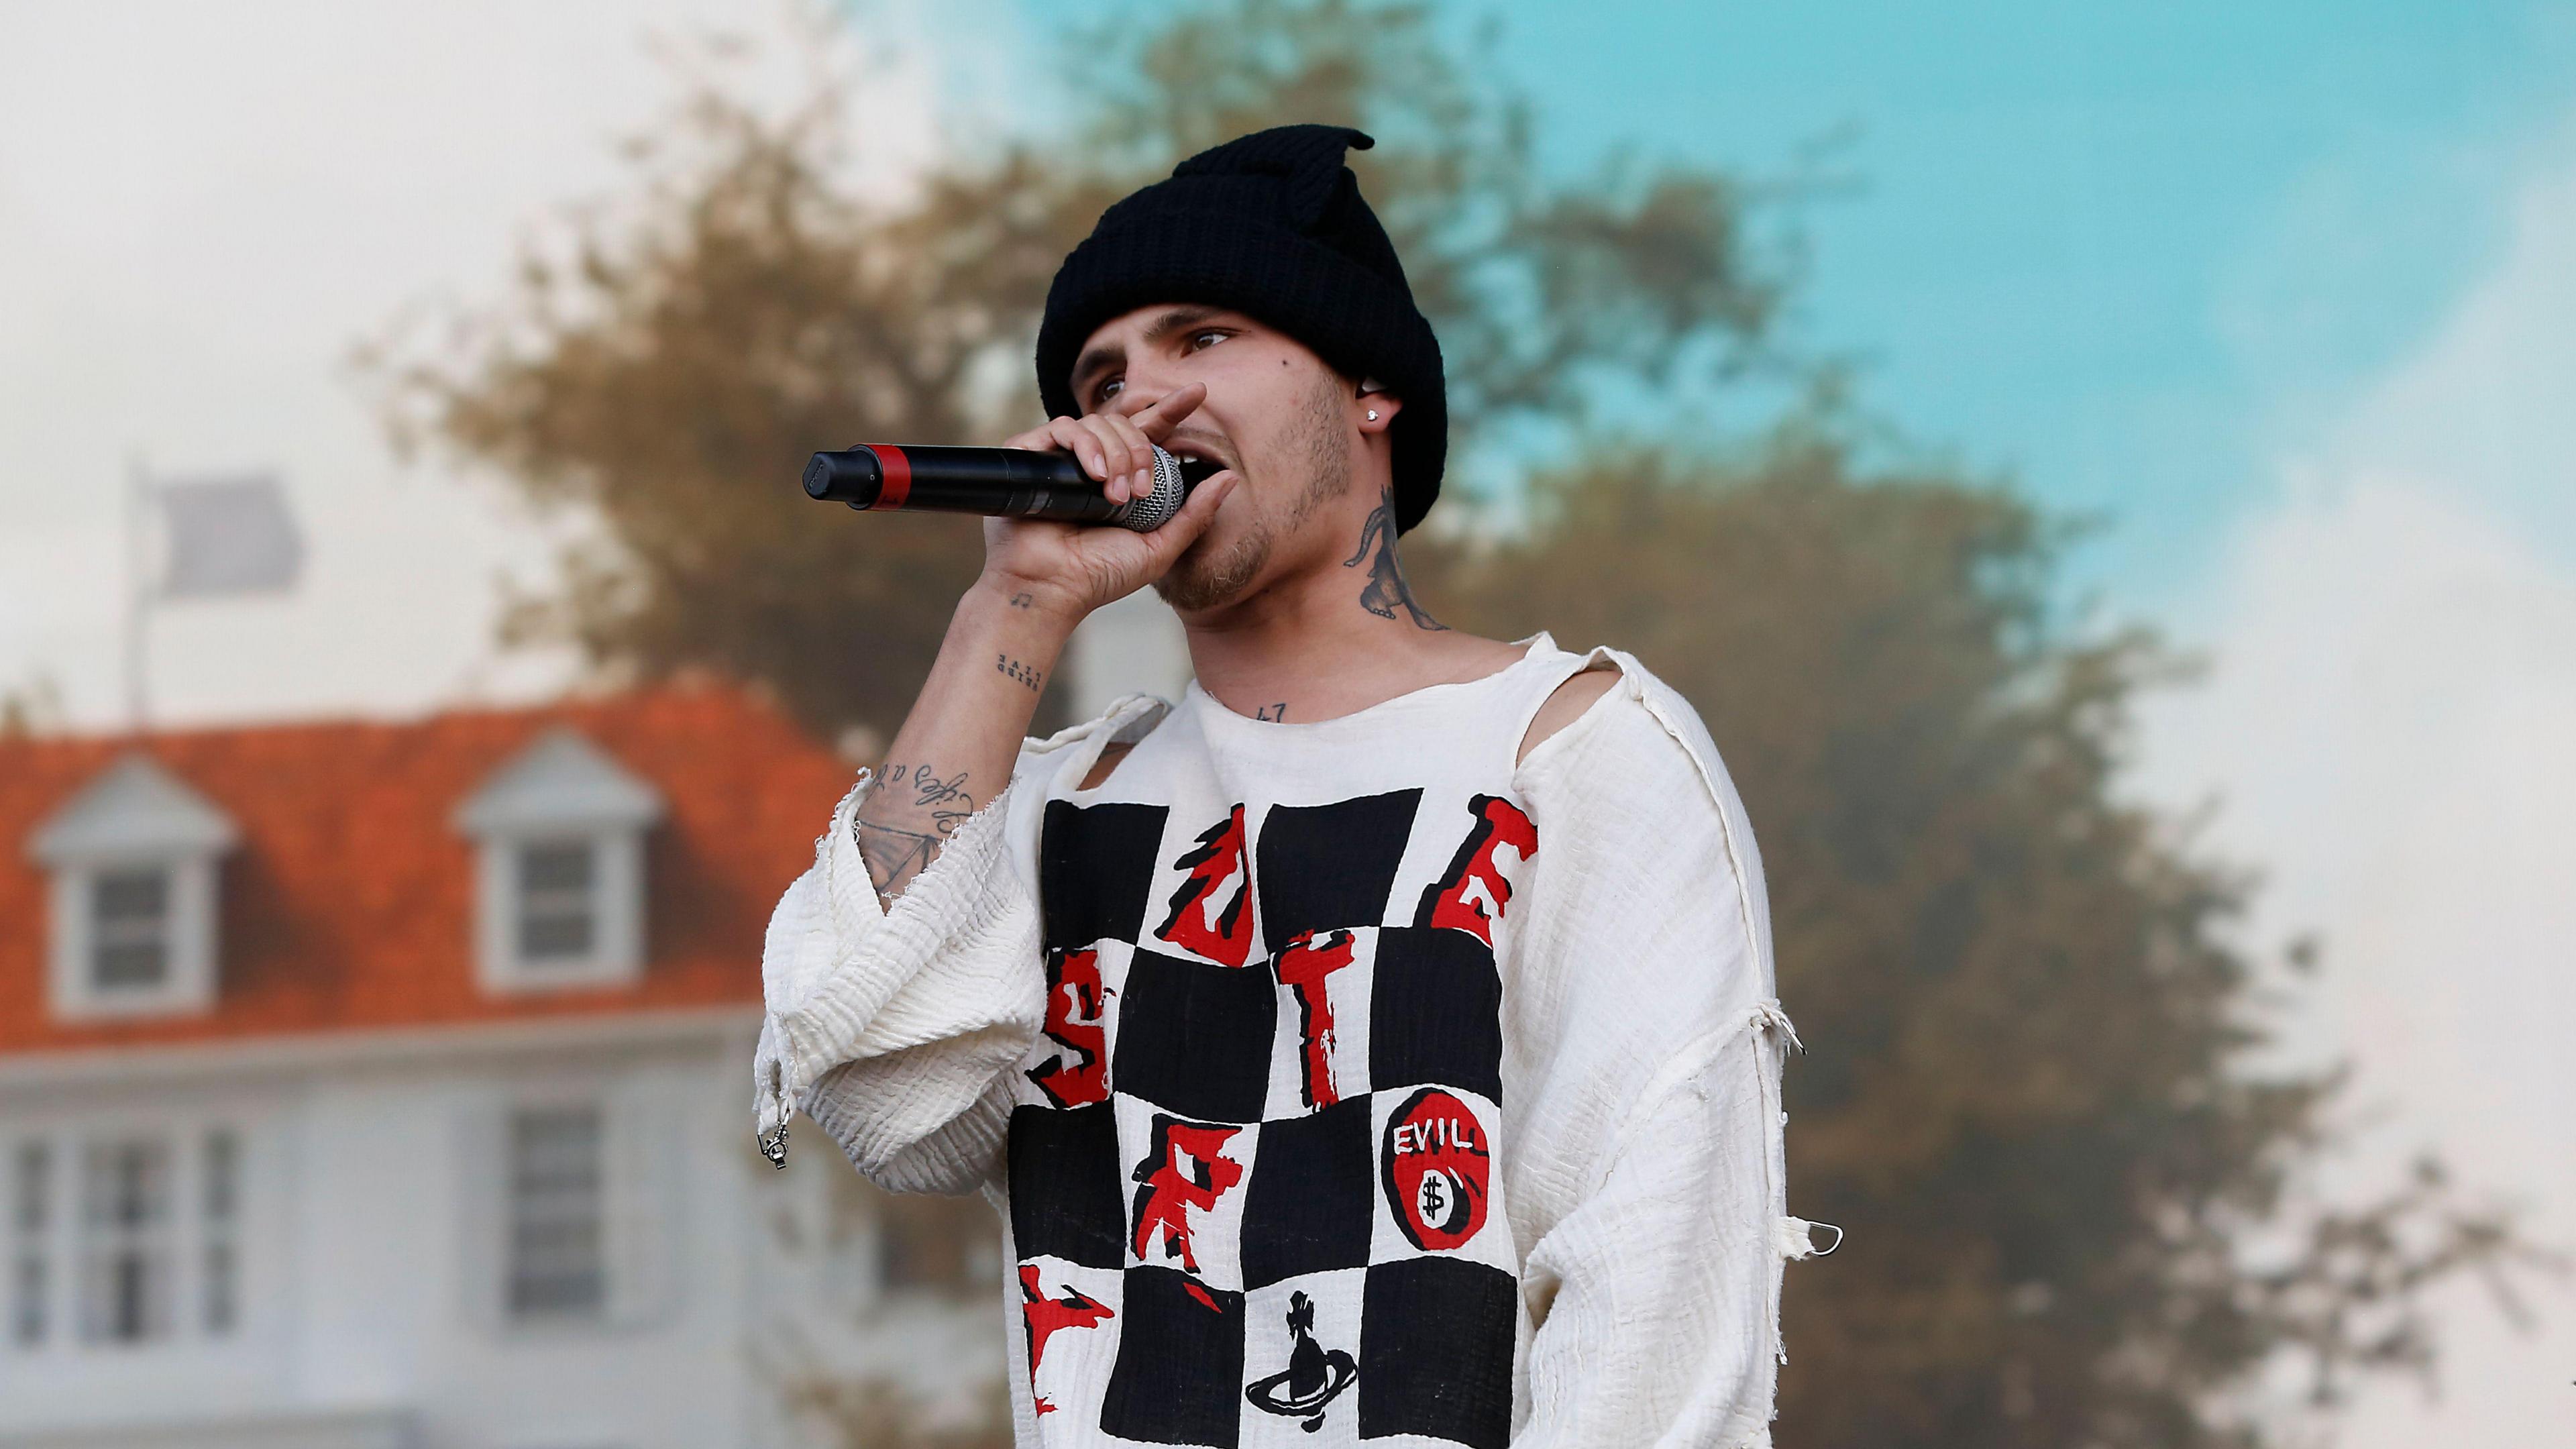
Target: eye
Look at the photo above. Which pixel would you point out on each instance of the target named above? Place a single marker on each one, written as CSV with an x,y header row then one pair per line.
x,y
1109,389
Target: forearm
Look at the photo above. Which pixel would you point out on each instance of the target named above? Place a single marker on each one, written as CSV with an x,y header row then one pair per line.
x,y
957,746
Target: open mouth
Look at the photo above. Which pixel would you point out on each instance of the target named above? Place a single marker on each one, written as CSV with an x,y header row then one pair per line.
x,y
1196,469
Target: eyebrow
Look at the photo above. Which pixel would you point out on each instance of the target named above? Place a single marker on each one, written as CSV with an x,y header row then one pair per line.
x,y
1114,354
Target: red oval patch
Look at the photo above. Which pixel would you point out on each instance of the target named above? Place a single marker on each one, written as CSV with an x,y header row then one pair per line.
x,y
1434,1161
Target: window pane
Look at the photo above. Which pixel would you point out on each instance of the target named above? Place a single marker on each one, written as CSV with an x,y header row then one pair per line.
x,y
557,1258
125,1240
556,866
29,1285
221,1303
31,1196
130,929
31,1192
128,896
218,1289
556,891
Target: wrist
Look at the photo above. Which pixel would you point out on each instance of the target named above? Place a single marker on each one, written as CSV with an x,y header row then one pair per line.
x,y
1021,610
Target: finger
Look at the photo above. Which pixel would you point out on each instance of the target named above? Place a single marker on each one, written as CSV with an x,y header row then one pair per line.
x,y
1114,464
1076,439
1156,422
1041,439
1141,479
1107,448
1131,401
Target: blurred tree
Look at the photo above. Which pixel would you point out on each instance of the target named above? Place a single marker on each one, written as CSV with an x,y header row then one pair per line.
x,y
934,1262
673,373
2030,1097
34,708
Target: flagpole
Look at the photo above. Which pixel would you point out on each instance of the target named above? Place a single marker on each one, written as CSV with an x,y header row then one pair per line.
x,y
137,494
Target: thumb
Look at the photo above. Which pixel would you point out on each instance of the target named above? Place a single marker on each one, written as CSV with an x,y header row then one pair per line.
x,y
1197,512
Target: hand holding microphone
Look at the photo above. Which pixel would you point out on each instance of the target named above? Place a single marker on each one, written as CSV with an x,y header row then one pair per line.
x,y
1106,467
1018,480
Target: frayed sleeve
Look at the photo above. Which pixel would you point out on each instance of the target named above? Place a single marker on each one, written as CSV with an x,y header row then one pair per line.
x,y
893,1029
1645,1051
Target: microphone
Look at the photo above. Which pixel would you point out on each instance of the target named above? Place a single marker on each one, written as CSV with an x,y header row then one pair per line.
x,y
996,482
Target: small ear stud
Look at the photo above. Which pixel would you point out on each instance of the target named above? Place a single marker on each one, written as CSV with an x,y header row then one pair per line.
x,y
1372,415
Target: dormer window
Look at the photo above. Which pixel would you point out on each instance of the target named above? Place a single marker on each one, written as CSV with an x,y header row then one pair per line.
x,y
558,901
129,929
559,831
135,861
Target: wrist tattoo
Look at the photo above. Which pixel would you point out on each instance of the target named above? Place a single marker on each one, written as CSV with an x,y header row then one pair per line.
x,y
894,854
929,791
1386,589
1005,664
946,800
893,857
1024,601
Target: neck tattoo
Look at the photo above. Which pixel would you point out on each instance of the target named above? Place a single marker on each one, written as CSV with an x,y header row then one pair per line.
x,y
1386,589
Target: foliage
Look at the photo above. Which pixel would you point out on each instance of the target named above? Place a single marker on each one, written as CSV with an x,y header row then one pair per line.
x,y
673,373
933,1265
2031,1095
873,1412
34,708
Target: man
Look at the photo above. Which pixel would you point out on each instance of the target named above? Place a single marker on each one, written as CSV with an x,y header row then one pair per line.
x,y
1379,1043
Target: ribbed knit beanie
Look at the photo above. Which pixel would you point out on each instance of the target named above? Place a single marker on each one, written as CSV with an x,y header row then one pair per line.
x,y
1271,225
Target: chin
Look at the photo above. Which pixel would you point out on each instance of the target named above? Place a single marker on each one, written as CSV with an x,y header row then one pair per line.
x,y
1214,571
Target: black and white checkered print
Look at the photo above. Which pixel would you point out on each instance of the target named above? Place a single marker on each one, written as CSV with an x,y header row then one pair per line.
x,y
1252,1172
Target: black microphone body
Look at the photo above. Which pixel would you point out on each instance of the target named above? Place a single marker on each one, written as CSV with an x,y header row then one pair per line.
x,y
995,482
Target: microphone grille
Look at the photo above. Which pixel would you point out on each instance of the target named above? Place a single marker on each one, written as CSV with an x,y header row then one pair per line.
x,y
1155,509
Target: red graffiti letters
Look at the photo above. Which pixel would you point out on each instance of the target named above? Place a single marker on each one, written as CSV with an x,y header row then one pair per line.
x,y
1304,969
1046,1315
1181,1171
1212,909
1074,1003
1471,894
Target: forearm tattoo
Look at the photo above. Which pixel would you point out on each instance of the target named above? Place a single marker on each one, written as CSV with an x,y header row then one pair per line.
x,y
895,853
1386,589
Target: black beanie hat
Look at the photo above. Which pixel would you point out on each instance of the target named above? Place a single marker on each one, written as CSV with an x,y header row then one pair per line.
x,y
1270,225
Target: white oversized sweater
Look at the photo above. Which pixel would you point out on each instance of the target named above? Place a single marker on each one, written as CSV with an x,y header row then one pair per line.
x,y
1339,1082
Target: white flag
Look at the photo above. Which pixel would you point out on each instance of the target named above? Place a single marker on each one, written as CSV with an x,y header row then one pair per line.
x,y
229,536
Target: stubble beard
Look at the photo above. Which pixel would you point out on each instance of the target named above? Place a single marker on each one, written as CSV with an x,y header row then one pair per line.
x,y
1199,579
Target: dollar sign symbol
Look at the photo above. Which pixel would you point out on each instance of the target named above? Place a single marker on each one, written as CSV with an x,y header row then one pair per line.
x,y
1433,1200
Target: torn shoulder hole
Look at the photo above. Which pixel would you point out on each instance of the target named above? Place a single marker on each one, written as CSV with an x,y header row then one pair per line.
x,y
1580,691
1108,761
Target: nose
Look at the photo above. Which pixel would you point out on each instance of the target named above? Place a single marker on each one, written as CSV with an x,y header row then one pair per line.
x,y
1153,372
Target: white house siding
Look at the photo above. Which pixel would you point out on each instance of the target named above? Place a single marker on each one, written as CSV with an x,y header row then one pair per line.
x,y
373,1208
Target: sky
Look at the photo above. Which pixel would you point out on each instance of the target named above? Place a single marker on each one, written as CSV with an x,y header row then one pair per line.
x,y
2289,290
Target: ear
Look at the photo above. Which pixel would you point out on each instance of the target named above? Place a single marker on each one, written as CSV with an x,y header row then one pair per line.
x,y
1374,398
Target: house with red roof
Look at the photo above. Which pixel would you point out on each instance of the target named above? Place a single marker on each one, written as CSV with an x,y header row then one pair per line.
x,y
386,1086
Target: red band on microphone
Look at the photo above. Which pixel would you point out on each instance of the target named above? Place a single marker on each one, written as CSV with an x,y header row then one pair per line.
x,y
898,476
